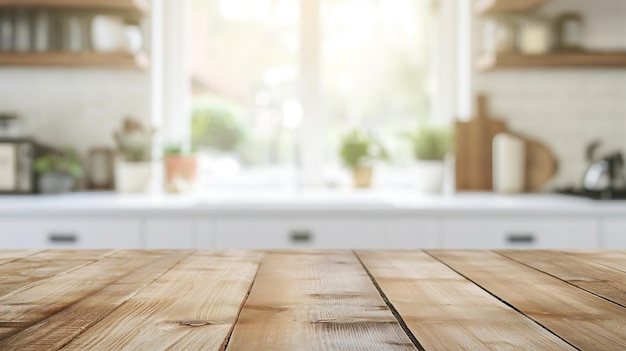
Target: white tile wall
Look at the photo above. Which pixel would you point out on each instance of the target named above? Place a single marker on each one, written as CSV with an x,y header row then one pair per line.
x,y
74,107
567,108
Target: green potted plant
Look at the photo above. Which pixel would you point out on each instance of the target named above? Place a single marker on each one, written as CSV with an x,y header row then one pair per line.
x,y
133,168
358,151
215,126
180,169
430,146
58,171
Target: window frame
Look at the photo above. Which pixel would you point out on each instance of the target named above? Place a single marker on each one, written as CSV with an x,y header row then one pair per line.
x,y
172,88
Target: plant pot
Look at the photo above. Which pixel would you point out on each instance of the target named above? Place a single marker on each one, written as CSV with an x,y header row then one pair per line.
x,y
429,176
363,177
180,173
55,183
133,177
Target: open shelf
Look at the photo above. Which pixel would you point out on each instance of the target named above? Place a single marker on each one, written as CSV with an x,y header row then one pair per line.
x,y
70,59
139,7
553,60
487,7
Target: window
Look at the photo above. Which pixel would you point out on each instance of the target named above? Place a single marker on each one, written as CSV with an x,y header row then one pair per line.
x,y
276,83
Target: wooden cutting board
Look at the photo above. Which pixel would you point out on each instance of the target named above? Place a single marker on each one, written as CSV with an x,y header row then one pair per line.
x,y
474,140
541,164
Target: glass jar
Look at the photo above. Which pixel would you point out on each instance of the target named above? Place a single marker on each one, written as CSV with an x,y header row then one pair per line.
x,y
535,36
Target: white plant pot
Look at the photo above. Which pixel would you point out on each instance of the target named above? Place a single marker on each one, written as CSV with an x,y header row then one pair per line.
x,y
133,177
429,176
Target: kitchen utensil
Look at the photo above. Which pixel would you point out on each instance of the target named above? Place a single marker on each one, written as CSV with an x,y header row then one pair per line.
x,y
6,30
535,36
22,30
605,173
101,168
74,33
509,164
541,165
474,149
108,34
569,31
41,31
16,166
499,35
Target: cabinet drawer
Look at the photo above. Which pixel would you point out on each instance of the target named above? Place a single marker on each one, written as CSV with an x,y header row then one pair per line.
x,y
64,233
614,234
520,233
325,233
170,233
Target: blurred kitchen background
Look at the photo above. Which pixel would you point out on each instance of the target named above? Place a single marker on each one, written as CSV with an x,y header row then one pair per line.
x,y
312,123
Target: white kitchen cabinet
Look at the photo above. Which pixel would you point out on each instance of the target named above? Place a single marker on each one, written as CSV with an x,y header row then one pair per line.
x,y
614,233
170,232
205,233
70,233
520,233
353,232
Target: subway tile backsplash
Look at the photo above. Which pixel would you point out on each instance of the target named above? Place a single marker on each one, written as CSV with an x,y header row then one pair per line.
x,y
74,107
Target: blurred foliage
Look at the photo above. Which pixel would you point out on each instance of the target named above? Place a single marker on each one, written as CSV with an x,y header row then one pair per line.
x,y
431,142
359,148
215,124
64,161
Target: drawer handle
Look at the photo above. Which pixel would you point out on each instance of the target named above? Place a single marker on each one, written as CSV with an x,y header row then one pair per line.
x,y
62,238
520,238
301,236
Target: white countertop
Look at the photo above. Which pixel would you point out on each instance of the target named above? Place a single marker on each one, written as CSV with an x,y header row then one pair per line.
x,y
309,202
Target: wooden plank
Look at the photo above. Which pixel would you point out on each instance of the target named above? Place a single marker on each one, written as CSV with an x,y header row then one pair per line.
x,y
600,280
59,329
610,258
24,272
7,256
133,6
485,7
315,300
446,311
553,60
72,59
191,307
25,307
584,320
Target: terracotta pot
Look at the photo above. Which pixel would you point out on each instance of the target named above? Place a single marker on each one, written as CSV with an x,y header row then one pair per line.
x,y
180,173
363,177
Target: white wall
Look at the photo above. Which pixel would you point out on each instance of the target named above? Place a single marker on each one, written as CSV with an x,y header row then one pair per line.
x,y
75,107
567,108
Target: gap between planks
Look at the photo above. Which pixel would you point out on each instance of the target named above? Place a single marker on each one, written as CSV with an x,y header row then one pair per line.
x,y
315,300
191,307
597,279
454,313
584,320
60,328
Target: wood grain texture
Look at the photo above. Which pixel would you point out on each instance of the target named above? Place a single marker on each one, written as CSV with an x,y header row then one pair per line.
x,y
7,256
610,258
191,307
59,329
584,320
39,300
25,272
316,301
446,311
474,149
600,280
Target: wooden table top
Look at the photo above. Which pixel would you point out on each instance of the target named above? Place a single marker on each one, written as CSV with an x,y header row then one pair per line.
x,y
312,300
